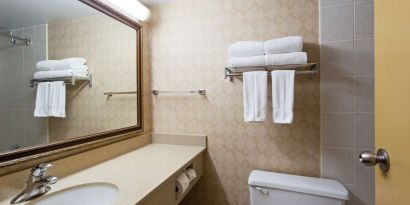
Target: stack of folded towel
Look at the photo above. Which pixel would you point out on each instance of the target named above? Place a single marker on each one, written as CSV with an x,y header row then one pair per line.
x,y
281,51
67,67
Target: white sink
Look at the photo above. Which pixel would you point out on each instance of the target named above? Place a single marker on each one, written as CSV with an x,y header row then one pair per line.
x,y
85,194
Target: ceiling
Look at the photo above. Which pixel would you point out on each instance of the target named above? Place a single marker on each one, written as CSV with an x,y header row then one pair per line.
x,y
22,13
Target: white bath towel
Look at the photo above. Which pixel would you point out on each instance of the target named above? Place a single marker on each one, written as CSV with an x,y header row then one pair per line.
x,y
60,74
286,58
246,49
57,99
247,61
284,45
255,96
64,64
41,109
283,82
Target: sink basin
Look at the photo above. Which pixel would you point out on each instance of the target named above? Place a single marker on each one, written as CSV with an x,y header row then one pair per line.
x,y
85,194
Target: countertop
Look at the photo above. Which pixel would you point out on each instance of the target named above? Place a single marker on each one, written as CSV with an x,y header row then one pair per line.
x,y
137,173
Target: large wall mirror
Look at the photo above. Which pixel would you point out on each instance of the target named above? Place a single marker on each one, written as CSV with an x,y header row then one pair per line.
x,y
59,60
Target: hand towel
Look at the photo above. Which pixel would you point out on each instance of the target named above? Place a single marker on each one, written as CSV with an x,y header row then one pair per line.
x,y
247,61
246,49
60,74
64,64
284,45
255,96
41,109
286,58
282,95
56,99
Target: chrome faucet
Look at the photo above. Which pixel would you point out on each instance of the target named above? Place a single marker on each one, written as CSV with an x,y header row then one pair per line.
x,y
36,185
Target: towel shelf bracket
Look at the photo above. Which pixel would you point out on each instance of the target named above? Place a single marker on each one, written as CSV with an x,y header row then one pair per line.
x,y
67,80
311,69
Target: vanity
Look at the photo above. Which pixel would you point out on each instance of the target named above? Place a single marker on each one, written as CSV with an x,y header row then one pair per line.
x,y
143,176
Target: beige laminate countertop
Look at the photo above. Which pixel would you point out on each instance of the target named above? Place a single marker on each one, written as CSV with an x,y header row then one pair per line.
x,y
136,174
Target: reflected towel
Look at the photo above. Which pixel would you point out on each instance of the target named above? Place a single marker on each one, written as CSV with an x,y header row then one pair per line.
x,y
255,96
283,82
60,74
56,99
284,45
64,64
41,109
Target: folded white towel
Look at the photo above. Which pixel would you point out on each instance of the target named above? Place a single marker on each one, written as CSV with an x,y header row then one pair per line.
x,y
246,49
60,74
255,96
64,64
247,61
286,58
41,109
284,45
57,99
282,95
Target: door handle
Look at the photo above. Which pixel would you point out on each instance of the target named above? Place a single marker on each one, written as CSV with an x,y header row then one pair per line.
x,y
381,158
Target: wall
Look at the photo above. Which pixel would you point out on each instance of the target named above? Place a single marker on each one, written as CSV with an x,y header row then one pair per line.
x,y
18,126
189,42
110,49
347,59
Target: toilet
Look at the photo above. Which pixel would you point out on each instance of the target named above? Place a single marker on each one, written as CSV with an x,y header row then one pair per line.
x,y
268,188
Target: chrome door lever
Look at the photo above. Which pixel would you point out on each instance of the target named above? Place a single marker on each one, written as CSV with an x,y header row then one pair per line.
x,y
381,158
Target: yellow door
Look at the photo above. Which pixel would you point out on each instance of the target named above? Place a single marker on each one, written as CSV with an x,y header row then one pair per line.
x,y
392,58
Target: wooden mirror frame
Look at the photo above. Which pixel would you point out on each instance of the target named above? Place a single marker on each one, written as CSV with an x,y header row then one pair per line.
x,y
80,144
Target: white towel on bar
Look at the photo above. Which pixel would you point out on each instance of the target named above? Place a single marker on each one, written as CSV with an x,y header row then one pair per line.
x,y
247,61
255,96
41,109
57,99
246,49
60,74
283,83
284,45
286,58
50,99
64,64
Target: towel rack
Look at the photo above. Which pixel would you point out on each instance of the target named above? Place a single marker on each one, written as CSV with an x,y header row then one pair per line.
x,y
311,69
110,94
67,80
199,92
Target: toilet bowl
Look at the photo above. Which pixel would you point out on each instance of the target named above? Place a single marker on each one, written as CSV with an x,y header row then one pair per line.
x,y
268,188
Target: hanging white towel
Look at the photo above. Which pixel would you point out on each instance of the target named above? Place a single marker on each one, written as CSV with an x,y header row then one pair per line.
x,y
41,109
283,83
255,96
284,45
57,99
246,49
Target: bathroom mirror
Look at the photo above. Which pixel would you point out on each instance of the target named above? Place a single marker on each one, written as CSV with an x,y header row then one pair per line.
x,y
59,60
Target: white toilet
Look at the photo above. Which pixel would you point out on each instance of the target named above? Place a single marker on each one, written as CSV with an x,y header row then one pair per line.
x,y
268,188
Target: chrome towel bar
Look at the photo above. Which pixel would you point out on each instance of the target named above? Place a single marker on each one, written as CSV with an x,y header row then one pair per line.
x,y
109,94
199,92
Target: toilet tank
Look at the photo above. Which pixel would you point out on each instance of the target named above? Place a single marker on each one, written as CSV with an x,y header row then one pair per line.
x,y
268,188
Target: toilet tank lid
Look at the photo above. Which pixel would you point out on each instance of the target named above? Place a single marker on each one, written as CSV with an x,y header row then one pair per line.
x,y
309,185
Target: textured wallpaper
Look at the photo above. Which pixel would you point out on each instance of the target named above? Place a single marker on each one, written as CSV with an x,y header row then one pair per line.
x,y
110,49
188,45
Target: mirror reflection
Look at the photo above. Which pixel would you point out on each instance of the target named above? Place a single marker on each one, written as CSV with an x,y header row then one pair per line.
x,y
57,59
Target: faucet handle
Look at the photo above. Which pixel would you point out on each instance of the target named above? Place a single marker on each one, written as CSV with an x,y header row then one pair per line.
x,y
40,169
51,179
